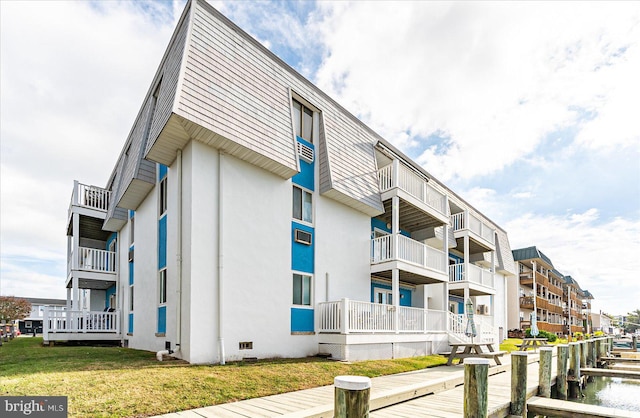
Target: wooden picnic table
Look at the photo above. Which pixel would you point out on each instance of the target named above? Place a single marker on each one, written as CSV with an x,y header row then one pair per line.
x,y
473,350
532,343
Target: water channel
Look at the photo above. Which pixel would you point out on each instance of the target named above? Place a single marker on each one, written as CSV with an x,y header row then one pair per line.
x,y
612,392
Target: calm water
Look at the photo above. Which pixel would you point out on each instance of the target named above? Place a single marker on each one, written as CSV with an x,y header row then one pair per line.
x,y
613,392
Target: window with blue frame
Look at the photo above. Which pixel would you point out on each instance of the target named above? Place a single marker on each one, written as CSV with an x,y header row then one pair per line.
x,y
302,205
301,289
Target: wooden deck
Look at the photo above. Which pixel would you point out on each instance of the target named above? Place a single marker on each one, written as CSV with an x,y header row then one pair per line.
x,y
385,391
396,396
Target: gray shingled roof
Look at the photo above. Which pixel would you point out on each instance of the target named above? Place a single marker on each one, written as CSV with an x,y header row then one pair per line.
x,y
530,253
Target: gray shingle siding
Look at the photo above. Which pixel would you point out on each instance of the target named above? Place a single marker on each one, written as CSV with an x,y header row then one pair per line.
x,y
238,90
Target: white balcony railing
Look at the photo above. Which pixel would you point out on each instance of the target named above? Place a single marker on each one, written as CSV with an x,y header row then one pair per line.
x,y
93,259
485,330
409,250
347,316
466,220
476,275
90,196
398,175
55,321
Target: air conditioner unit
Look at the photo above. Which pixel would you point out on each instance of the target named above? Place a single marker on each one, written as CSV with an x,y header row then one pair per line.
x,y
483,309
303,237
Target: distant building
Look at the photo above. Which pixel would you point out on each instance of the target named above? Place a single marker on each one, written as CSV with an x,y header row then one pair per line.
x,y
602,322
34,321
561,306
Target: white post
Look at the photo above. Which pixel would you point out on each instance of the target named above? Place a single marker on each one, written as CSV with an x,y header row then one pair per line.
x,y
76,241
344,316
395,292
45,323
75,301
76,193
395,279
395,171
68,299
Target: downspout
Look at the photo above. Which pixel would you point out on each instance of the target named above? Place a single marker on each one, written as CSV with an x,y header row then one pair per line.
x,y
220,257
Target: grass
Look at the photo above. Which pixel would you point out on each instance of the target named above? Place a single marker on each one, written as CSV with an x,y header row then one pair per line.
x,y
511,344
121,382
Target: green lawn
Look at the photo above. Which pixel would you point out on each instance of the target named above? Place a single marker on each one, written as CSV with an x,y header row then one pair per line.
x,y
121,382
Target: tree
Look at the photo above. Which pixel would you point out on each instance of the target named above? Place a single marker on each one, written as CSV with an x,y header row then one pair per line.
x,y
632,321
12,308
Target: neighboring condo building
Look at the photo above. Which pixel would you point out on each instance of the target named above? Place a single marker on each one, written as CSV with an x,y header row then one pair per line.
x,y
561,306
33,323
250,215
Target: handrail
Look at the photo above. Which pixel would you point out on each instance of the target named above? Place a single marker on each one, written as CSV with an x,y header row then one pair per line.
x,y
90,196
406,179
80,321
476,274
347,316
94,259
467,220
409,250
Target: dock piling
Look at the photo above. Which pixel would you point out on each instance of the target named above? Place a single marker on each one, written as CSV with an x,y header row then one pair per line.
x,y
573,375
351,396
544,372
476,384
518,405
561,379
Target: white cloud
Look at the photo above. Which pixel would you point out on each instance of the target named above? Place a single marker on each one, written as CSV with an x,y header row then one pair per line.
x,y
601,256
73,77
495,78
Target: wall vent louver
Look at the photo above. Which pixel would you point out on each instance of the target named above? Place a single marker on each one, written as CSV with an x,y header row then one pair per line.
x,y
305,152
303,237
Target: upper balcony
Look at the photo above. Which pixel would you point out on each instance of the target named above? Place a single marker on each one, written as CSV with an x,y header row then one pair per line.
x,y
418,197
418,263
481,235
479,281
89,200
90,263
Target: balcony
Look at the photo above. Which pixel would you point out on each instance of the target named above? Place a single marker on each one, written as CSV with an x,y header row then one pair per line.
x,y
64,325
89,199
94,268
418,262
479,281
482,236
526,302
348,316
396,179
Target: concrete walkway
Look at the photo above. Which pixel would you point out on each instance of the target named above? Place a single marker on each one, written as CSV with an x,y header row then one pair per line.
x,y
318,402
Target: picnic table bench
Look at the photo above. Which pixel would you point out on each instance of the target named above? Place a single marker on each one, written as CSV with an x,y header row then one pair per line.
x,y
472,350
533,343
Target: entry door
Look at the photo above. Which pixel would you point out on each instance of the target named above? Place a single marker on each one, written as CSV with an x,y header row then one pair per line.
x,y
383,296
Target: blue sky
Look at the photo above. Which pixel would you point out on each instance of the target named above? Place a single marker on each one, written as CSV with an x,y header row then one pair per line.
x,y
527,110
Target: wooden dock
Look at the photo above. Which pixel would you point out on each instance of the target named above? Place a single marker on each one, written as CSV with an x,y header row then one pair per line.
x,y
435,392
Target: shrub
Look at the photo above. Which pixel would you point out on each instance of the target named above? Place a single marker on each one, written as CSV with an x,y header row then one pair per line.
x,y
598,334
542,334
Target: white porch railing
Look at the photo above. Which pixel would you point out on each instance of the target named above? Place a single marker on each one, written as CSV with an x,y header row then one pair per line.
x,y
409,250
398,175
485,331
466,220
347,316
90,196
96,260
476,275
80,321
